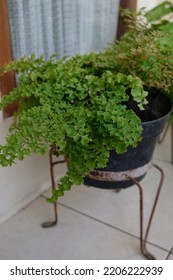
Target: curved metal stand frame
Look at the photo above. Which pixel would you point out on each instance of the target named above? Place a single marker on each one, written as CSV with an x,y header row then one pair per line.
x,y
162,137
53,184
143,238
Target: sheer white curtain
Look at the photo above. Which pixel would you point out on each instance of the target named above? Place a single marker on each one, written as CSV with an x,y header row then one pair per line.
x,y
64,27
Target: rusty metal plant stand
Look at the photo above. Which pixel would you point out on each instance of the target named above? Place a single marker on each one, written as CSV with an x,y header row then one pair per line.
x,y
53,185
143,237
162,137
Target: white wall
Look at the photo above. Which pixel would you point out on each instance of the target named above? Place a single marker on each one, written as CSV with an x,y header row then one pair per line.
x,y
23,182
149,4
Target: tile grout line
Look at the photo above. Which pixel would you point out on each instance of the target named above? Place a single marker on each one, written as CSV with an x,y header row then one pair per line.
x,y
169,254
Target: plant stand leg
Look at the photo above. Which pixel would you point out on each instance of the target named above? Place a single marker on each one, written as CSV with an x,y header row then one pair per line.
x,y
52,175
143,239
162,137
171,143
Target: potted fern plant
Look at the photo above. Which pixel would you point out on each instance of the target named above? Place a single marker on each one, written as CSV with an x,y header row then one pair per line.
x,y
89,106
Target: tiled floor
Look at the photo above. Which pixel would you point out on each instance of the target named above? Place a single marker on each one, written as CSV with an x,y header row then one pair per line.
x,y
94,223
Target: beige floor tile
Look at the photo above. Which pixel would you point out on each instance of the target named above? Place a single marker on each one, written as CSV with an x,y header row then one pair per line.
x,y
122,209
75,237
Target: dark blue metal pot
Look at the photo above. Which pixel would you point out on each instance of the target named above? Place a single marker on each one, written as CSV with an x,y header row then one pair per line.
x,y
136,161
